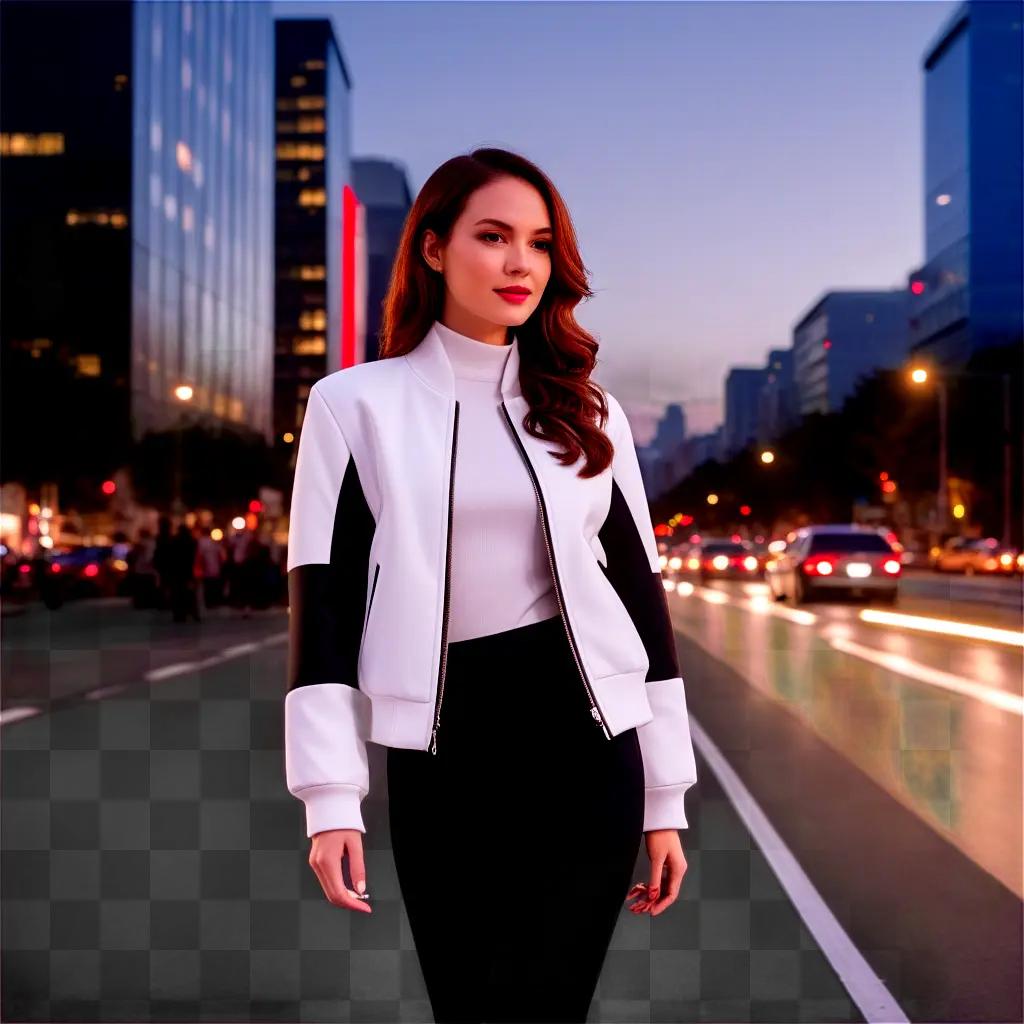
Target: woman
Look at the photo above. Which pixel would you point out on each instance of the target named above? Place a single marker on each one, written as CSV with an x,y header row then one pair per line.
x,y
474,584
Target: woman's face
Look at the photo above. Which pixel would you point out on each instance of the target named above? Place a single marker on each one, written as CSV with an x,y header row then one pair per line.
x,y
501,240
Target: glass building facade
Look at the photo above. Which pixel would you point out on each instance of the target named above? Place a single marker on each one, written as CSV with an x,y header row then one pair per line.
x,y
320,227
968,295
202,213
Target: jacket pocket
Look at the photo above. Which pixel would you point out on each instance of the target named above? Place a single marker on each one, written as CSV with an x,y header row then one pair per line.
x,y
369,604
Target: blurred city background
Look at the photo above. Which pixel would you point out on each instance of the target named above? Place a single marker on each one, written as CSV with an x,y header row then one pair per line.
x,y
804,225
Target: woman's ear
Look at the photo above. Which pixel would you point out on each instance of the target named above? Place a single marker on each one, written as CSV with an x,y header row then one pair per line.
x,y
429,250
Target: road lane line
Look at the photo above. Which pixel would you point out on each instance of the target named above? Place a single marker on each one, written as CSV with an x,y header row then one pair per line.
x,y
18,714
8,716
946,627
866,988
932,676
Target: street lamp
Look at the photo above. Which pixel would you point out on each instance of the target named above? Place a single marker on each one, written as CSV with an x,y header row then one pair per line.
x,y
183,393
767,456
920,375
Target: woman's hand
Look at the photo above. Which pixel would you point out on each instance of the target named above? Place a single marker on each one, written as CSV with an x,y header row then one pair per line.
x,y
666,854
325,859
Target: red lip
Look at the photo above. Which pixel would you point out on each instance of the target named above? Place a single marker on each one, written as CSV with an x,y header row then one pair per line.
x,y
513,291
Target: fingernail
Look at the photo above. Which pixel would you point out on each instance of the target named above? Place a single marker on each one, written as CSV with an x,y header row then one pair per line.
x,y
361,885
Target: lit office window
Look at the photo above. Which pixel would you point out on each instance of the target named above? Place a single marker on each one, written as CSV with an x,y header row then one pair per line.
x,y
314,65
309,124
300,151
170,207
87,365
297,81
313,197
31,144
313,320
314,346
99,218
187,218
183,155
310,103
310,272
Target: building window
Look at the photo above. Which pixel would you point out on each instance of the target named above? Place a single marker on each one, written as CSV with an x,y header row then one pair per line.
x,y
312,346
31,144
313,320
87,365
300,151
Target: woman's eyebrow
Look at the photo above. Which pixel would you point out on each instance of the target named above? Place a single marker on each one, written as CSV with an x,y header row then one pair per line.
x,y
508,227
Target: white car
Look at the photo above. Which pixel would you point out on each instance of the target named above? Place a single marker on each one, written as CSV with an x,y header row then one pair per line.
x,y
848,559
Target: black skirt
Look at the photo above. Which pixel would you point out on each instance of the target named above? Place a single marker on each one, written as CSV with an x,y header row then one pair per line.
x,y
516,843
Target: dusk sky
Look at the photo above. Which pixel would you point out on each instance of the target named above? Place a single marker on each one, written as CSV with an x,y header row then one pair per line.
x,y
725,162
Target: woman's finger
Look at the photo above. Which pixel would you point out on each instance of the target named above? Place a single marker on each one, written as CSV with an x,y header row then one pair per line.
x,y
676,865
657,866
325,860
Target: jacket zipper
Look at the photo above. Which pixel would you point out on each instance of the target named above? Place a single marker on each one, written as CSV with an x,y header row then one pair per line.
x,y
594,710
447,586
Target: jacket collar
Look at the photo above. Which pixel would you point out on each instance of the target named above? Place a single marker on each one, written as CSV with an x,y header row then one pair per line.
x,y
429,360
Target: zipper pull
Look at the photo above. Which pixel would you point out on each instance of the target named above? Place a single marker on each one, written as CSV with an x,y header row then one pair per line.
x,y
433,748
595,714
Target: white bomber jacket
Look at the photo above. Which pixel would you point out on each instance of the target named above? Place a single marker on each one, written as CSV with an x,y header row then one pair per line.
x,y
369,581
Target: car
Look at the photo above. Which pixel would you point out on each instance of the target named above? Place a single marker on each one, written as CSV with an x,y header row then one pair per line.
x,y
86,571
725,559
835,559
971,555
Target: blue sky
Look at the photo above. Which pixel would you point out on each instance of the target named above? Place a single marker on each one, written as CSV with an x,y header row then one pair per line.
x,y
725,161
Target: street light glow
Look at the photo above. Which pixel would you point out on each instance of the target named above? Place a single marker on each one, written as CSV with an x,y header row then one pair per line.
x,y
712,499
919,375
183,392
767,456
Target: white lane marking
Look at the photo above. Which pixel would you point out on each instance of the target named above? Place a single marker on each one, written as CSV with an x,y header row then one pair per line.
x,y
18,714
157,675
932,676
837,635
865,987
947,627
234,652
105,691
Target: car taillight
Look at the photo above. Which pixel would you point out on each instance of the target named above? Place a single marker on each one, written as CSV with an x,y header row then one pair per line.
x,y
891,566
55,567
750,563
817,565
91,569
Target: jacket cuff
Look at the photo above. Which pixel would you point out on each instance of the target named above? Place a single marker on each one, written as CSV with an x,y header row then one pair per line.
x,y
332,806
663,807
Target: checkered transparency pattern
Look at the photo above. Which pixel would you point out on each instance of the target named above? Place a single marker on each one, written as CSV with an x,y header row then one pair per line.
x,y
154,868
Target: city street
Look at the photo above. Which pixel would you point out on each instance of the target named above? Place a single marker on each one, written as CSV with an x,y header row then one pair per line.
x,y
854,849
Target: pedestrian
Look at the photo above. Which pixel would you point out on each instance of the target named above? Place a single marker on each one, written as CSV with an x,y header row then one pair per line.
x,y
181,580
162,556
239,580
145,580
492,615
210,557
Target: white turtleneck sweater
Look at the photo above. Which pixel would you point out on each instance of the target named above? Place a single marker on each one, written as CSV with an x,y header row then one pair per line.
x,y
501,577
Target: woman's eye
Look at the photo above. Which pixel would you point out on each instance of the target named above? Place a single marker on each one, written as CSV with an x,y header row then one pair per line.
x,y
487,235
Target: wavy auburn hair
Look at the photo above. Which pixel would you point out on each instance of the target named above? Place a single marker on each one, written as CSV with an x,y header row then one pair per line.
x,y
556,354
